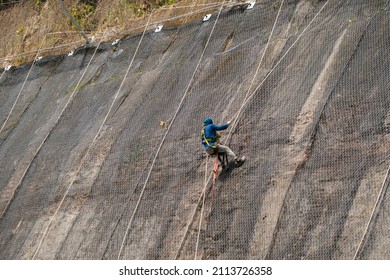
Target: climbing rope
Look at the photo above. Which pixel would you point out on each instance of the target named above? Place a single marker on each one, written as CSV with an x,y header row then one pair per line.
x,y
38,52
246,100
378,201
94,139
128,199
265,50
235,118
92,143
215,170
21,89
202,195
55,123
2,74
237,115
167,131
202,210
44,140
206,181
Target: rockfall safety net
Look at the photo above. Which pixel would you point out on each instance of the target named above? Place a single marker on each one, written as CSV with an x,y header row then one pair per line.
x,y
101,156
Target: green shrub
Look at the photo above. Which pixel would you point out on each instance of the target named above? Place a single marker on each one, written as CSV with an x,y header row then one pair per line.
x,y
83,13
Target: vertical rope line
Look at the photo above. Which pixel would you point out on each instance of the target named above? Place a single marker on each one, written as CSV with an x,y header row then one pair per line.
x,y
2,74
40,49
202,195
23,85
237,115
166,133
215,174
246,95
246,101
44,140
265,49
378,200
128,200
202,209
92,143
207,181
235,120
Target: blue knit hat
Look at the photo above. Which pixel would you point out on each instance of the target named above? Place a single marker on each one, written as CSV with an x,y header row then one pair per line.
x,y
207,121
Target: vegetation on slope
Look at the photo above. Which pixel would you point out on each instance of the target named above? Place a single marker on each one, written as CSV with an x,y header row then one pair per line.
x,y
30,25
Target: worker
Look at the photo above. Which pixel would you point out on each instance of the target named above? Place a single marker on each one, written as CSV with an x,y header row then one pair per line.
x,y
210,137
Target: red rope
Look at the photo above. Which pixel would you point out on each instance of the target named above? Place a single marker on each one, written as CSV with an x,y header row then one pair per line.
x,y
215,171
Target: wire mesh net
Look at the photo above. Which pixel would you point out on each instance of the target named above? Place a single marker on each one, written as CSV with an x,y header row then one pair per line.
x,y
110,165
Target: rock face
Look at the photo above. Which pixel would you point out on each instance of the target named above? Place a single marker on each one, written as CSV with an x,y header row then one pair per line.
x,y
101,157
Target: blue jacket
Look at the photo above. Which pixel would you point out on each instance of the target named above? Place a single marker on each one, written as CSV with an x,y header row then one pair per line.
x,y
210,132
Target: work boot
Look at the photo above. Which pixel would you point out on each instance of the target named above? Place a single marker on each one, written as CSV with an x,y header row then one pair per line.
x,y
240,161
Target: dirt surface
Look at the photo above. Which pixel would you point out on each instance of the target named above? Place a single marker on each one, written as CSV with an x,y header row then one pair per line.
x,y
101,157
39,28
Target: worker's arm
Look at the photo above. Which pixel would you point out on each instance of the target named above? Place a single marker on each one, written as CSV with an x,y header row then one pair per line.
x,y
220,127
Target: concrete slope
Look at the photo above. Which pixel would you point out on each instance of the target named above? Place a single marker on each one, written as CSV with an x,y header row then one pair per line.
x,y
101,157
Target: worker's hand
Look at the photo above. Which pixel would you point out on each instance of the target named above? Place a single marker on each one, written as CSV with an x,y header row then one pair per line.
x,y
229,122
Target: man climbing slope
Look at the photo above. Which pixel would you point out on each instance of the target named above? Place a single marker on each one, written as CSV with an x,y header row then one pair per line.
x,y
209,139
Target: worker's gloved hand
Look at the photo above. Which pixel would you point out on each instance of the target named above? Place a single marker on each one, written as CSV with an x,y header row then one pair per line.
x,y
229,122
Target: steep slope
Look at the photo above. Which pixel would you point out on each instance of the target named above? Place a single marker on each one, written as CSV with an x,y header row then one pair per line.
x,y
88,172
